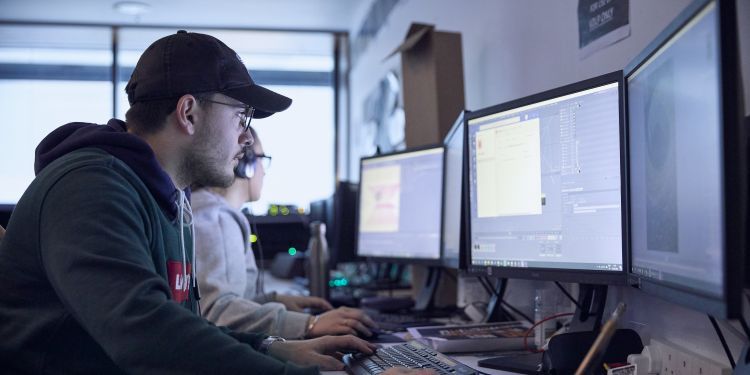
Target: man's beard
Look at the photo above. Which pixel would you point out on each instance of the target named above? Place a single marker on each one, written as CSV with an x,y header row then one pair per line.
x,y
204,165
204,172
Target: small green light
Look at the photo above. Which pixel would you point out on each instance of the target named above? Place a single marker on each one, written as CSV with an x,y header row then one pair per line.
x,y
292,251
284,210
344,282
330,283
253,238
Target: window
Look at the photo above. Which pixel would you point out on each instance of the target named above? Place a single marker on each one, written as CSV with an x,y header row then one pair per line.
x,y
51,75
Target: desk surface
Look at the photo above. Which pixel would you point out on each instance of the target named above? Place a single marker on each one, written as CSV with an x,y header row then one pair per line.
x,y
289,287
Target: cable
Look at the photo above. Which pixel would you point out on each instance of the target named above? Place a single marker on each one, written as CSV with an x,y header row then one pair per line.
x,y
453,277
485,286
494,293
723,341
745,328
568,295
515,310
260,283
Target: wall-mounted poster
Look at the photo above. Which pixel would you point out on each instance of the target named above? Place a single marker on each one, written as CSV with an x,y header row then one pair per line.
x,y
601,23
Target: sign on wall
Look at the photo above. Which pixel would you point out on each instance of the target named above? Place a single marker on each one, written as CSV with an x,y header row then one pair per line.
x,y
602,23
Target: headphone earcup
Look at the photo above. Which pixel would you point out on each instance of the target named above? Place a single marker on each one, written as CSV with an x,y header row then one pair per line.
x,y
239,170
242,167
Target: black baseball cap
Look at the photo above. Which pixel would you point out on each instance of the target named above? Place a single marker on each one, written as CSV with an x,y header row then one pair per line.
x,y
193,63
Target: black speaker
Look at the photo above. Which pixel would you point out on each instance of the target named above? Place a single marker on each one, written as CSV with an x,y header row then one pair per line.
x,y
566,351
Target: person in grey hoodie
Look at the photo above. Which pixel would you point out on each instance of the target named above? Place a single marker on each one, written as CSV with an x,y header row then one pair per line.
x,y
96,271
228,272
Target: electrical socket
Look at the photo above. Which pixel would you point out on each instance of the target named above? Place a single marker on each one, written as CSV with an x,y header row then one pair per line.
x,y
679,361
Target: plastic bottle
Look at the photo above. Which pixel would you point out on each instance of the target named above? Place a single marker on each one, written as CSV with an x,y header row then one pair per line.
x,y
317,260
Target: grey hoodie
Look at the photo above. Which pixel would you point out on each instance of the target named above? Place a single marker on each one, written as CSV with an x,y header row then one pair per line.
x,y
227,273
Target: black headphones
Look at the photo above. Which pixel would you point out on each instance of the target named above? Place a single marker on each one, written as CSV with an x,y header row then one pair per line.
x,y
246,166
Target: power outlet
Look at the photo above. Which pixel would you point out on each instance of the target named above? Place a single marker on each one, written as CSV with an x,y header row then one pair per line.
x,y
679,361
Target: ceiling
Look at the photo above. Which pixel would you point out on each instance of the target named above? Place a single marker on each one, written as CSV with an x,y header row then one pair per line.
x,y
328,15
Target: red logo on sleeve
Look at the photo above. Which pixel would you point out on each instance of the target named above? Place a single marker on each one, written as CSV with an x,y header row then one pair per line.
x,y
179,282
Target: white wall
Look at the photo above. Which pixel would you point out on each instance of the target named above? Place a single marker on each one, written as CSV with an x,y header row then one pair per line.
x,y
513,48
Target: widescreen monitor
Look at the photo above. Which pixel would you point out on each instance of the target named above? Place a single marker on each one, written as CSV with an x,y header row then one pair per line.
x,y
546,188
688,162
454,196
400,201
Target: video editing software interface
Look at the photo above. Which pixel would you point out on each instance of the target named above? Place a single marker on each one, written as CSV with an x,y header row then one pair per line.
x,y
400,200
452,199
545,189
676,160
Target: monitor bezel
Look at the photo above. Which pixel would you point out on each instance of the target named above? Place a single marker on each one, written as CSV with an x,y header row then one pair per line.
x,y
734,179
404,260
560,274
461,262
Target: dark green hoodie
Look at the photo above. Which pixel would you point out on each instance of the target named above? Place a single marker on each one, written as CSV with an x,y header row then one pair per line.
x,y
91,269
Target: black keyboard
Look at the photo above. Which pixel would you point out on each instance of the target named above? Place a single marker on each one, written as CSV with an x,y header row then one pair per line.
x,y
412,354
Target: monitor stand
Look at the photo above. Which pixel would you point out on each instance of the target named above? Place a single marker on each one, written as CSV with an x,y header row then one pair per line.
x,y
743,363
587,317
387,277
423,306
426,299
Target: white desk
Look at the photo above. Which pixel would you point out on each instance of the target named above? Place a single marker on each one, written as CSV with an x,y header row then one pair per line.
x,y
289,287
282,286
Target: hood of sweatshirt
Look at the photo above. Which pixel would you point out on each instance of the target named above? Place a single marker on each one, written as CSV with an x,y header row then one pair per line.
x,y
114,139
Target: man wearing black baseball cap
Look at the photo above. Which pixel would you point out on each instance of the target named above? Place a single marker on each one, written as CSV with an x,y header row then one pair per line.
x,y
96,267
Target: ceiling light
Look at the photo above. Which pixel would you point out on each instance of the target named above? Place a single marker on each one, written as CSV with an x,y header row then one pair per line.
x,y
131,8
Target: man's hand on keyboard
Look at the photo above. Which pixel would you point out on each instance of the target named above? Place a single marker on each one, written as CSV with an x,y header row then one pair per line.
x,y
323,351
343,321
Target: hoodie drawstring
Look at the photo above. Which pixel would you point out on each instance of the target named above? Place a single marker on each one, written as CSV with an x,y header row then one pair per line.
x,y
184,206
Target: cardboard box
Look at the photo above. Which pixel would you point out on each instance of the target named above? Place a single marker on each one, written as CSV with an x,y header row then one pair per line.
x,y
433,83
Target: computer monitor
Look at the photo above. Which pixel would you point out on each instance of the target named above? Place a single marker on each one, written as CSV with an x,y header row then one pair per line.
x,y
545,186
338,213
688,163
454,196
343,228
400,202
546,201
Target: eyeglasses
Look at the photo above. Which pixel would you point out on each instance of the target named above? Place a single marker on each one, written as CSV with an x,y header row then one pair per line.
x,y
265,160
245,117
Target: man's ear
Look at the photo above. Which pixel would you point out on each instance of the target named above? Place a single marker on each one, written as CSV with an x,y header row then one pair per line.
x,y
186,113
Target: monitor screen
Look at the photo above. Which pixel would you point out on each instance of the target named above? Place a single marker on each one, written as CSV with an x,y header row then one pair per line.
x,y
545,190
453,196
677,174
400,198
